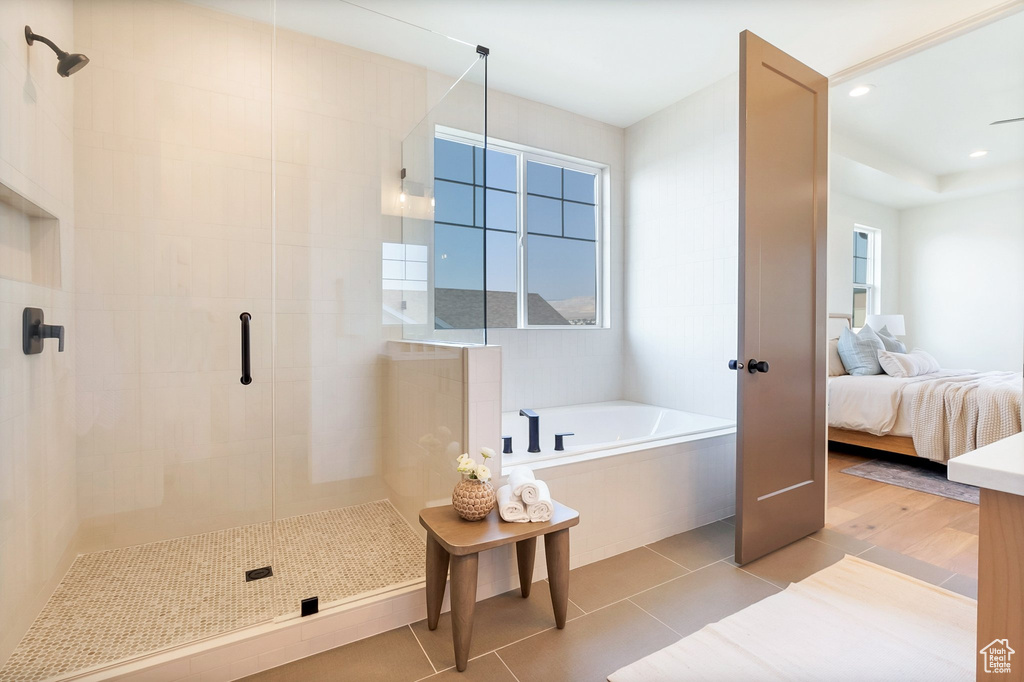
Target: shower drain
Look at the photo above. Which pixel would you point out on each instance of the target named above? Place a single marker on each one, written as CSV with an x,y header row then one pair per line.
x,y
257,573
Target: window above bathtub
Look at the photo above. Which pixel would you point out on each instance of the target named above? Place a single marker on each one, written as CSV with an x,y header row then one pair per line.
x,y
535,229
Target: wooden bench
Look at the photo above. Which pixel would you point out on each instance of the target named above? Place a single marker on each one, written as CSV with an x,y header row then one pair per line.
x,y
455,540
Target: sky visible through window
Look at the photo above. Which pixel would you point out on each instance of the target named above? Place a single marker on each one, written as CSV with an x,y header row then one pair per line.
x,y
561,238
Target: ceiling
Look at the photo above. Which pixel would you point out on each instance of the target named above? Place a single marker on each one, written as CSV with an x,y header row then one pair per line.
x,y
616,61
907,142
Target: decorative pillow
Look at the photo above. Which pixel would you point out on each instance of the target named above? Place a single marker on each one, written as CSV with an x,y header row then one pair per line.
x,y
890,342
835,363
902,365
859,352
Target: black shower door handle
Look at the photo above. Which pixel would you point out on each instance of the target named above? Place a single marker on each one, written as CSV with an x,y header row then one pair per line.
x,y
246,361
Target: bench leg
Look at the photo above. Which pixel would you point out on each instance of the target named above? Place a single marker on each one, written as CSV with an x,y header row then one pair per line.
x,y
556,552
463,604
526,552
437,576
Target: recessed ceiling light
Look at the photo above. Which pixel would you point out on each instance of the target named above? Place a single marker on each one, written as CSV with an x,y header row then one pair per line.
x,y
979,153
860,91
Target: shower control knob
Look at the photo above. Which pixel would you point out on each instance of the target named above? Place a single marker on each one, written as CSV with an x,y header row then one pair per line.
x,y
733,364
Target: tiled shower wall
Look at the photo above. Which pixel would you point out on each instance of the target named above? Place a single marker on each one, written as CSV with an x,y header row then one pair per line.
x,y
37,392
173,165
682,253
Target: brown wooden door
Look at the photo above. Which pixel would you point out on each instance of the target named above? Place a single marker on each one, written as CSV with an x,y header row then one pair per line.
x,y
780,472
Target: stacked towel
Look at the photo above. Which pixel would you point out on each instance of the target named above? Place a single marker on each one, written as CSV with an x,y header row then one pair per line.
x,y
525,498
543,508
523,484
510,507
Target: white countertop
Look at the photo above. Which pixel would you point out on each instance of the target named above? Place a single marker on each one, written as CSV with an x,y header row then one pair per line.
x,y
999,466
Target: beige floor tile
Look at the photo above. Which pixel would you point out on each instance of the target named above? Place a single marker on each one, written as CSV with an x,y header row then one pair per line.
x,y
487,668
609,580
497,621
904,564
699,547
392,656
847,543
963,584
589,648
696,599
795,562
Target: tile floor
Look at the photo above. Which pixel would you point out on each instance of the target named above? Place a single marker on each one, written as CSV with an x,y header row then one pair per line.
x,y
621,609
122,603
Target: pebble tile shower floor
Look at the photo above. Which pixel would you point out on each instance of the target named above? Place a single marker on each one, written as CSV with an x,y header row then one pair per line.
x,y
126,602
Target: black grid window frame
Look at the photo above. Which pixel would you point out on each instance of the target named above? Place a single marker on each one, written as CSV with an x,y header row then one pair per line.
x,y
562,199
476,200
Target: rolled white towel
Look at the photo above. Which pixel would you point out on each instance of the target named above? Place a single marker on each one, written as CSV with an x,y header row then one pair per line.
x,y
510,507
524,484
543,509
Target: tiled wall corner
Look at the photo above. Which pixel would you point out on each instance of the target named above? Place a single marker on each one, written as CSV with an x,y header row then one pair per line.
x,y
682,169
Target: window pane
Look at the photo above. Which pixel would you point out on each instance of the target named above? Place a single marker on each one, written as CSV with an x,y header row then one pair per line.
x,y
543,179
580,221
543,216
860,306
501,210
501,170
458,277
453,203
501,280
860,270
453,161
579,186
562,281
860,244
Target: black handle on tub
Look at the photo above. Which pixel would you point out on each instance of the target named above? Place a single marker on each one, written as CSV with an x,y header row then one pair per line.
x,y
559,445
246,361
506,442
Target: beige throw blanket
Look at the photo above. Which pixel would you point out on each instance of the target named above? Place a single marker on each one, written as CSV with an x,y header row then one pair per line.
x,y
954,415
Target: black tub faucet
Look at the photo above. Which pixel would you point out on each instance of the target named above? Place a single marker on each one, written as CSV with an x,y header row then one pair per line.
x,y
534,429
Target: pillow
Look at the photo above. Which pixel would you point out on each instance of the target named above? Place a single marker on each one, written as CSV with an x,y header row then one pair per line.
x,y
902,365
859,352
890,342
835,363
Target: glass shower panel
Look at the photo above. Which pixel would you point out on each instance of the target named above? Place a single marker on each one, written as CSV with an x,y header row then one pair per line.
x,y
446,209
341,111
162,147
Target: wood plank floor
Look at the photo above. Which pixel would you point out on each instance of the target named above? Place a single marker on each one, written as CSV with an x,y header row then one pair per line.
x,y
934,529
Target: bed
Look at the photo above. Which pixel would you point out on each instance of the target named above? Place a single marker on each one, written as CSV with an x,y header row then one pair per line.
x,y
936,416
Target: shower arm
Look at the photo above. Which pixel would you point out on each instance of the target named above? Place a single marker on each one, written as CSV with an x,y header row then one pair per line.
x,y
31,37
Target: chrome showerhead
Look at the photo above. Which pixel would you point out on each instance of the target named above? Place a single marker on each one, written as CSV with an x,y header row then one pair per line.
x,y
67,64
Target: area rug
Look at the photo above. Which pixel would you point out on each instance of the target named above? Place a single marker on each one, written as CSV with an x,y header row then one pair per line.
x,y
916,477
853,621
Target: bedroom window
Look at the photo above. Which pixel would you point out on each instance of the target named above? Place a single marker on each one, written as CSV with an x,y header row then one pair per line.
x,y
866,273
543,232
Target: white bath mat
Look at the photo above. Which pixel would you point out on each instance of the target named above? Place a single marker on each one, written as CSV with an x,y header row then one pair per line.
x,y
854,621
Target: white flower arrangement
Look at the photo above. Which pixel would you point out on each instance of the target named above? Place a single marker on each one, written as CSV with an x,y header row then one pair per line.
x,y
469,467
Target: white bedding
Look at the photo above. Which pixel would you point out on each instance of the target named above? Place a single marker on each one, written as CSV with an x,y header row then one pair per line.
x,y
879,404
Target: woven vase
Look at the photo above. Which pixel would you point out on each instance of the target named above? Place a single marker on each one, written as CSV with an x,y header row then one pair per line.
x,y
473,499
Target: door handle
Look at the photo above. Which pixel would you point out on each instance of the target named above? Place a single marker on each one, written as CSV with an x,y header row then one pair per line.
x,y
246,362
754,366
733,364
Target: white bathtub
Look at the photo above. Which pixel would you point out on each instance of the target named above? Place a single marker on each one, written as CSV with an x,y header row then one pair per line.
x,y
603,430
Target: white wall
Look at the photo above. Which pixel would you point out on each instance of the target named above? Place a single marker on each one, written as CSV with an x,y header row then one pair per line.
x,y
38,516
681,253
844,211
962,280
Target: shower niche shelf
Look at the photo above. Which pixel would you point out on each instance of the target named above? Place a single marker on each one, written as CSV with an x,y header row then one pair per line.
x,y
29,241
